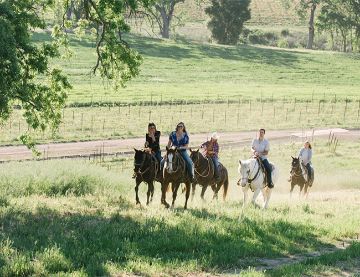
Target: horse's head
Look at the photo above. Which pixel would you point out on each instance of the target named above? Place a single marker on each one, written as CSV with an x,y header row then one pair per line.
x,y
170,159
244,170
139,159
195,155
295,164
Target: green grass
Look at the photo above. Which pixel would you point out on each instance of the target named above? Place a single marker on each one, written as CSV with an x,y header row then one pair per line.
x,y
131,121
193,71
102,232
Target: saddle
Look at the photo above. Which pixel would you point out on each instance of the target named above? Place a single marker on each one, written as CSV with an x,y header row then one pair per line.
x,y
262,168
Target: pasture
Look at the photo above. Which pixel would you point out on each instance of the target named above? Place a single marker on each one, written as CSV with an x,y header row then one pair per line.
x,y
175,70
76,218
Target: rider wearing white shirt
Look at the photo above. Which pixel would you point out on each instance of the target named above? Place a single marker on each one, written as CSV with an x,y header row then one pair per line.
x,y
260,148
305,156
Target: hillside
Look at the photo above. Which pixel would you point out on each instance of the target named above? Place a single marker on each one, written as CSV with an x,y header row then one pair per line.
x,y
180,70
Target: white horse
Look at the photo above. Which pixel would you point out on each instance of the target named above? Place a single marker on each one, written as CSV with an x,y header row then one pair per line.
x,y
253,177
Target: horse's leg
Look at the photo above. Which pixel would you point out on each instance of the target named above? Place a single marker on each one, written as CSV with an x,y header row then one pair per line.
x,y
245,192
306,190
203,192
138,181
164,188
256,193
188,186
193,191
292,188
268,195
150,192
301,188
175,189
216,189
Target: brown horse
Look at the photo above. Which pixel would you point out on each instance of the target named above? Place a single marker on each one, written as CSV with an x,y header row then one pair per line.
x,y
204,172
146,169
174,172
297,177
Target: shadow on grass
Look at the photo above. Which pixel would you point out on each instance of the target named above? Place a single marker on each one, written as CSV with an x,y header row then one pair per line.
x,y
90,241
159,48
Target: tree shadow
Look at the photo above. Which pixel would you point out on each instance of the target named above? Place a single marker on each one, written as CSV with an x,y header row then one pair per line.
x,y
89,241
159,48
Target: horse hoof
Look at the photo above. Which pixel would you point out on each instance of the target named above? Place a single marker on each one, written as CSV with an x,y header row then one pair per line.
x,y
138,203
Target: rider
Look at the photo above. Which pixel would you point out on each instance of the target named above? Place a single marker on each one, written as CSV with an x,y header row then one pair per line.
x,y
153,141
305,155
260,148
212,151
180,139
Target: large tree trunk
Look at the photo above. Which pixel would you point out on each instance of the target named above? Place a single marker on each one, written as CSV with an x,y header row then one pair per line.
x,y
165,29
311,27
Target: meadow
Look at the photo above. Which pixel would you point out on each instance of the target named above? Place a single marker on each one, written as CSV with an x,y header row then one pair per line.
x,y
176,70
229,88
76,218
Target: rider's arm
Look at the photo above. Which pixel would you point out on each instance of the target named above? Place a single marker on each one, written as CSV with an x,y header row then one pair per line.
x,y
253,150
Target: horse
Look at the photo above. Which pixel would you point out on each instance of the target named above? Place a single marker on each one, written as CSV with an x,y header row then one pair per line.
x,y
146,169
204,173
174,172
252,176
298,178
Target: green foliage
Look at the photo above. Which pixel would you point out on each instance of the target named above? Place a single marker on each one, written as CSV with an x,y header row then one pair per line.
x,y
54,261
227,19
26,74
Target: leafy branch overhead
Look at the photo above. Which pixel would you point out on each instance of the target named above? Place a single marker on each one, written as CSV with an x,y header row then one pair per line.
x,y
27,77
115,59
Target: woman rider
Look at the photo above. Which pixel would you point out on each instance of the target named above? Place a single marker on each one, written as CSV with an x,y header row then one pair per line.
x,y
180,139
153,141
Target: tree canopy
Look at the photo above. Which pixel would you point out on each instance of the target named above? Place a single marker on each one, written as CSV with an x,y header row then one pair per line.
x,y
27,77
227,19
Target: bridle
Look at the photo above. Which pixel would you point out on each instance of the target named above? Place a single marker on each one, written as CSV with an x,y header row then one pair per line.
x,y
173,162
296,170
248,180
197,163
139,172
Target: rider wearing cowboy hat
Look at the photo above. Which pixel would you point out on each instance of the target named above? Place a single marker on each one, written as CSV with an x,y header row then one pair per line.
x,y
211,147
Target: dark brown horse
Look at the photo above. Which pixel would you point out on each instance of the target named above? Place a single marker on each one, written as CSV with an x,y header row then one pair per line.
x,y
204,173
174,172
297,177
146,169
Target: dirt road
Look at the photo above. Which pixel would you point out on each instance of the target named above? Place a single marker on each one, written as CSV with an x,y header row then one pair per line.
x,y
125,146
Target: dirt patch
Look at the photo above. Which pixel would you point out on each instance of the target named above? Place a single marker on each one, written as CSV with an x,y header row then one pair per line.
x,y
125,146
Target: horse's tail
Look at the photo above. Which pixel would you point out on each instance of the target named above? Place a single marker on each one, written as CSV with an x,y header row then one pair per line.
x,y
226,183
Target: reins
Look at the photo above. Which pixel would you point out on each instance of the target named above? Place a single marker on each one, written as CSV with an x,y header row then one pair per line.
x,y
197,162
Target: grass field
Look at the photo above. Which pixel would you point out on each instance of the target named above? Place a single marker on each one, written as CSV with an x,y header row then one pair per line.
x,y
75,218
131,121
179,70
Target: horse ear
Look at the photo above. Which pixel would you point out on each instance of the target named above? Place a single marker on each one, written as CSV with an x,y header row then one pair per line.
x,y
191,150
292,157
135,149
167,148
239,161
197,150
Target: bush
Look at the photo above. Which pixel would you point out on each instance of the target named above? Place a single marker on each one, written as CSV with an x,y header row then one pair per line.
x,y
285,33
54,261
283,43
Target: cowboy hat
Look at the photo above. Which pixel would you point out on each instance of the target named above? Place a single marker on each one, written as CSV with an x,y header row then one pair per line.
x,y
214,136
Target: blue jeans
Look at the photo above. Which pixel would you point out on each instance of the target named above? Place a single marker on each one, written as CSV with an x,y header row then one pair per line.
x,y
268,171
157,154
308,167
188,161
216,165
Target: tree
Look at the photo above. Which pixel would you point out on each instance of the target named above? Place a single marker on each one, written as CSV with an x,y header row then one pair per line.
x,y
26,76
341,16
227,19
163,13
305,8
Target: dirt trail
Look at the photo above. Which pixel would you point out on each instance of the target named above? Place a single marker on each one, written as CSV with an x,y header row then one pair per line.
x,y
124,146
